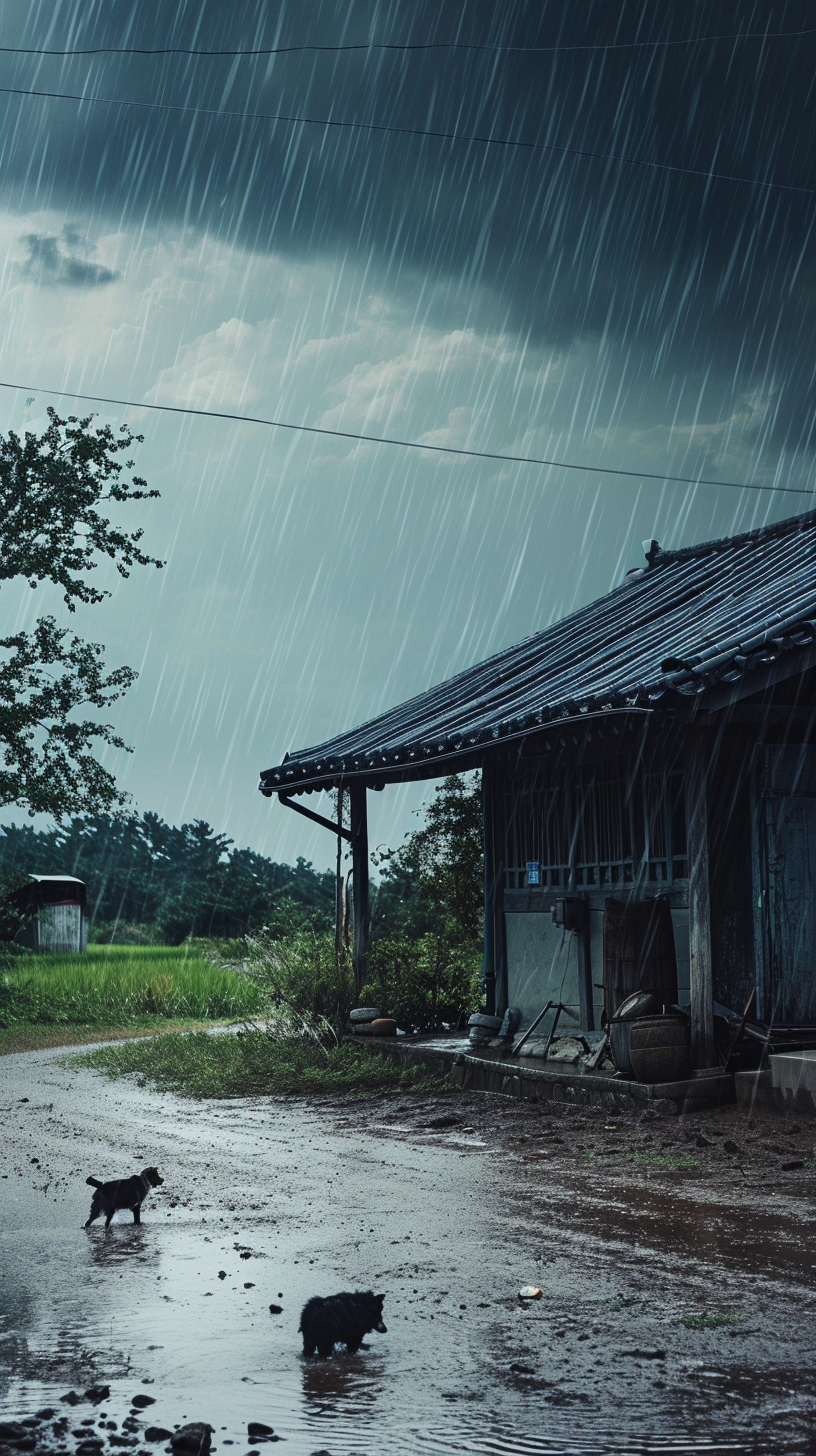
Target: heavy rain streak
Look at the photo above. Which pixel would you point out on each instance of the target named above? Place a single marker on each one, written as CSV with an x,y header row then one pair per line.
x,y
429,314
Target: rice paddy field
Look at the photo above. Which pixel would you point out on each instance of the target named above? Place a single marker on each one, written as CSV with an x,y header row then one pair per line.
x,y
48,999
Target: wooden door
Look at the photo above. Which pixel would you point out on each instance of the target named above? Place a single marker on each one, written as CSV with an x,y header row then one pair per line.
x,y
785,884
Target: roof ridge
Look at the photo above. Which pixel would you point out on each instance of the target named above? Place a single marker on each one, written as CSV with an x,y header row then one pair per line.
x,y
790,525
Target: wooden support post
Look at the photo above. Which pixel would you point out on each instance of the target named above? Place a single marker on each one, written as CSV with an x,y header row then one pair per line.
x,y
494,960
702,978
359,860
339,887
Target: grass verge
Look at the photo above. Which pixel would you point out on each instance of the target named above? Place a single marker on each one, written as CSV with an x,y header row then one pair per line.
x,y
25,1037
252,1064
122,987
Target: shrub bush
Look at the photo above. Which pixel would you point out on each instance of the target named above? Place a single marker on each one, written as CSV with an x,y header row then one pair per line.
x,y
425,983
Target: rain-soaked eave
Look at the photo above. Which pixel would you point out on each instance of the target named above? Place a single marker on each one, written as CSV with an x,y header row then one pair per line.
x,y
430,764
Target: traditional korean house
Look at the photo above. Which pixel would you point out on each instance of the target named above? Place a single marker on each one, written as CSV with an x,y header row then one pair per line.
x,y
57,913
649,788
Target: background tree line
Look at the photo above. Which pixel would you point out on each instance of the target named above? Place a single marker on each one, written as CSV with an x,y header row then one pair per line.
x,y
149,881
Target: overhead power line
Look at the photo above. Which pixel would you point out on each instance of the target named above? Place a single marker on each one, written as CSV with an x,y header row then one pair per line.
x,y
413,131
178,409
402,46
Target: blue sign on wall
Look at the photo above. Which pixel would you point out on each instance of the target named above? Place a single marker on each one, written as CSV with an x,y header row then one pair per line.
x,y
533,876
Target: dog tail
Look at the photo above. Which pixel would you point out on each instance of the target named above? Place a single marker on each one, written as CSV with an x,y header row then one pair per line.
x,y
94,1182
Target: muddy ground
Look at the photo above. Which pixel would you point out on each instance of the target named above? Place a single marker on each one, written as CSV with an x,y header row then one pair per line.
x,y
676,1259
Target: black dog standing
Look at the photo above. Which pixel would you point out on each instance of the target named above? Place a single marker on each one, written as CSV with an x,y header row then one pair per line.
x,y
343,1319
122,1193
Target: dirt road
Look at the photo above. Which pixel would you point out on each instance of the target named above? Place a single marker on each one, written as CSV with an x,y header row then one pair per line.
x,y
677,1260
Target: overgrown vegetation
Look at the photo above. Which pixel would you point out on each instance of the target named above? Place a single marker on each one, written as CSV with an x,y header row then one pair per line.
x,y
120,987
251,1064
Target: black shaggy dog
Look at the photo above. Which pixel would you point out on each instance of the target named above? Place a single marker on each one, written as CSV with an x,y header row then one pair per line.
x,y
342,1319
122,1193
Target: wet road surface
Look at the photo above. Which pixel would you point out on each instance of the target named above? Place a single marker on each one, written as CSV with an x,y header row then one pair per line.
x,y
449,1204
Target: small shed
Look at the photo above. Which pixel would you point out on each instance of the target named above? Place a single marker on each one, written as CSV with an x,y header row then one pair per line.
x,y
57,918
649,788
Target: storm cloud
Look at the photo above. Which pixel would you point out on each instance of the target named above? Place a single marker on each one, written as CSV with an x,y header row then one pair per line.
x,y
51,264
596,296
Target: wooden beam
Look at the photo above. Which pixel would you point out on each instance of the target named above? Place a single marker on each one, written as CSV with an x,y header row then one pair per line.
x,y
316,818
359,860
702,977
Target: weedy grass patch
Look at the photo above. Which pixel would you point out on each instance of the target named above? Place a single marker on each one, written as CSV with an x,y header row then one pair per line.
x,y
664,1160
112,986
251,1064
708,1321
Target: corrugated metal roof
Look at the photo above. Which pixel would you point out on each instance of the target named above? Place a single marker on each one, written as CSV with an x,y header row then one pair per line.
x,y
692,618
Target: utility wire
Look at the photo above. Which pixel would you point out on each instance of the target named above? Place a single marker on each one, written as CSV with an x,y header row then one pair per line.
x,y
177,409
412,131
401,46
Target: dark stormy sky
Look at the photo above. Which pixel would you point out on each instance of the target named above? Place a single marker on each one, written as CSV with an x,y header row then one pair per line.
x,y
512,299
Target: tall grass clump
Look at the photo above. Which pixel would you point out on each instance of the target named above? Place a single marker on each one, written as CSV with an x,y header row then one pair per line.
x,y
306,988
123,985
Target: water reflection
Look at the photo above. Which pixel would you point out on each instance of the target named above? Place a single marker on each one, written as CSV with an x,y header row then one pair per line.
x,y
122,1243
343,1385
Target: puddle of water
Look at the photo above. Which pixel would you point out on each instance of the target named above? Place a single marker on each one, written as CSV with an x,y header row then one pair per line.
x,y
464,1369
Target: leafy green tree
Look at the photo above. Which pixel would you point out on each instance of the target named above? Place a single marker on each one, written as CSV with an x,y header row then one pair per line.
x,y
52,530
434,882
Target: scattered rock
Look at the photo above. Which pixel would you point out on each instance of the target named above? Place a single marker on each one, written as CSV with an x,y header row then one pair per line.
x,y
529,1291
222,1273
249,1286
703,1142
124,1440
257,1431
792,1166
157,1433
193,1439
644,1354
141,1401
12,1431
91,1446
729,1146
276,1309
70,1398
518,1369
45,1414
95,1394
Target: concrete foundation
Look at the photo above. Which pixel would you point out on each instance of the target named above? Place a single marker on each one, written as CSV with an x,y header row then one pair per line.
x,y
488,1071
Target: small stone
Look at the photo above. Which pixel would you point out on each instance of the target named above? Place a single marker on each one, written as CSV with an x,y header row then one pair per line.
x,y
123,1440
703,1142
222,1273
256,1430
141,1401
194,1438
529,1291
96,1394
157,1433
70,1398
45,1414
793,1165
276,1309
731,1147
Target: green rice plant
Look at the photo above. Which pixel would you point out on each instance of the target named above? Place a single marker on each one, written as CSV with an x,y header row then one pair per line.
x,y
119,985
249,1064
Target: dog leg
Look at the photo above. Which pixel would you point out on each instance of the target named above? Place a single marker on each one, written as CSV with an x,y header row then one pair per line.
x,y
109,1217
325,1350
137,1217
89,1221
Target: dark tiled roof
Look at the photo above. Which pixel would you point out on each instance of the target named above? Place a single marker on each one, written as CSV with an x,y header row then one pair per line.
x,y
691,619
